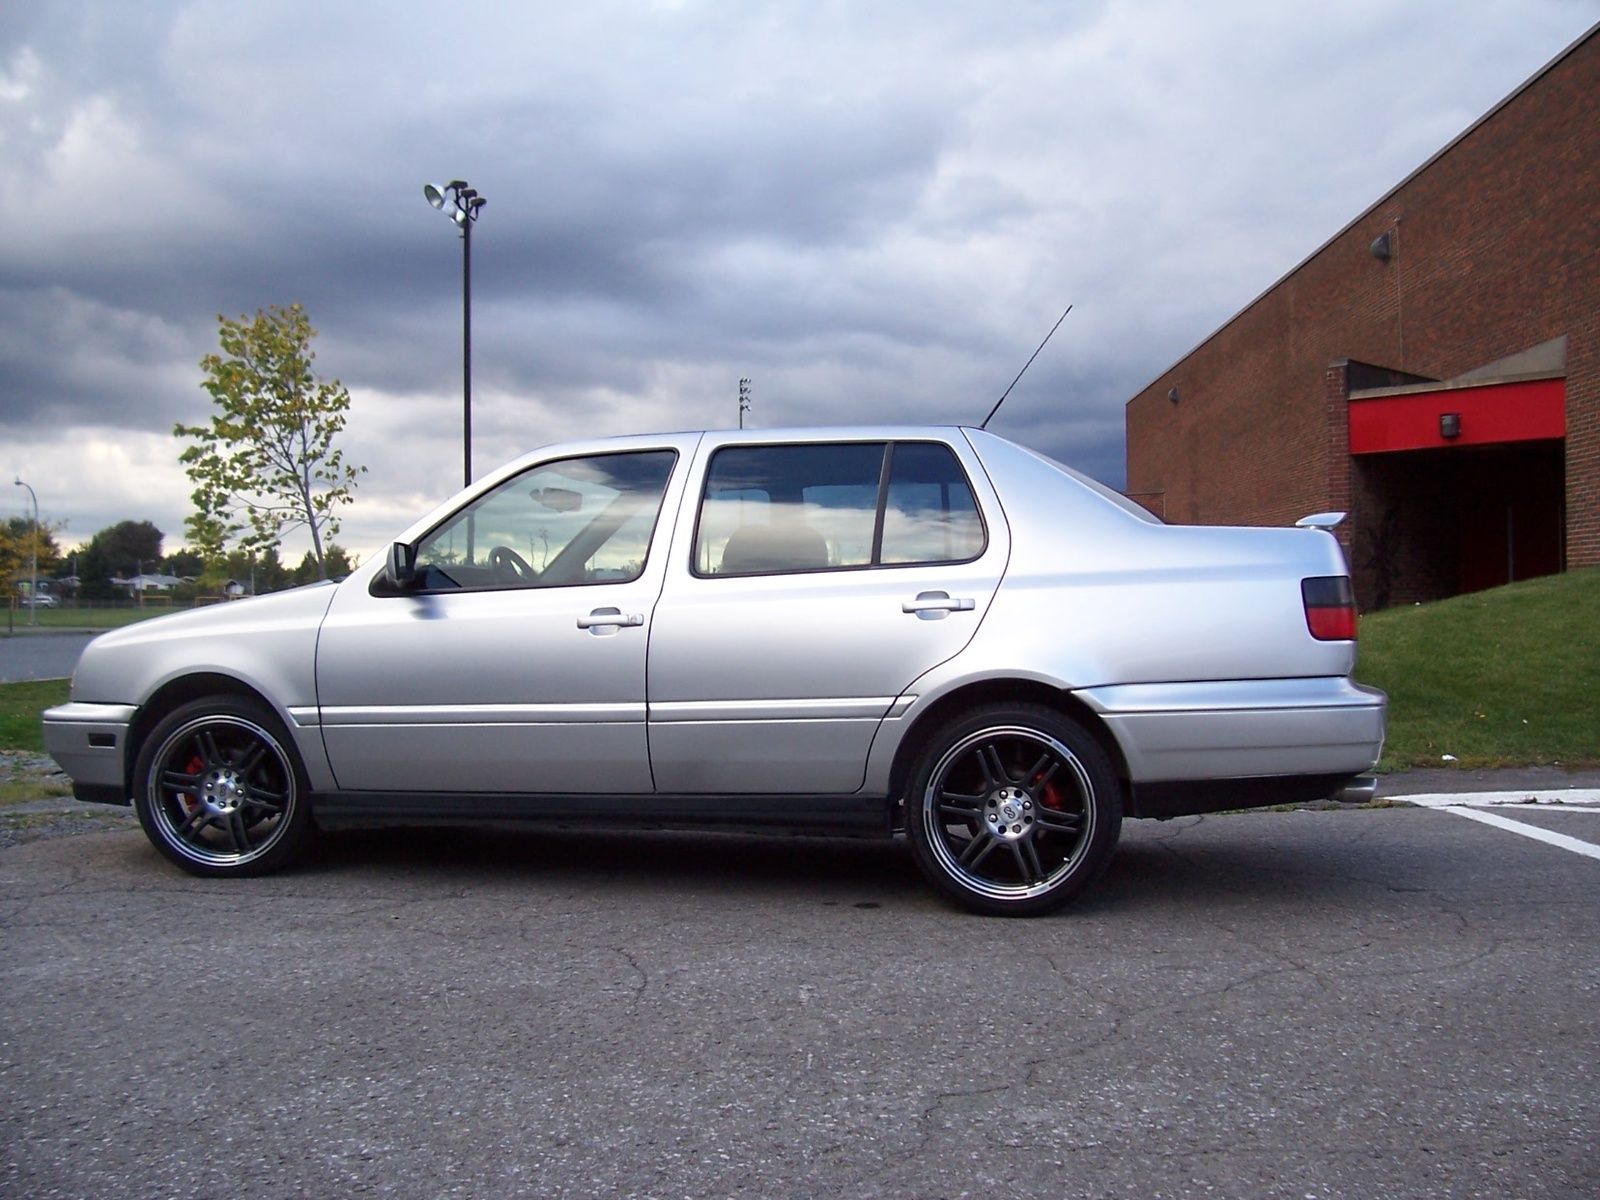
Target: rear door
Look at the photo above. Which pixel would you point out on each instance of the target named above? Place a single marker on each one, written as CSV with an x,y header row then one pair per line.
x,y
810,583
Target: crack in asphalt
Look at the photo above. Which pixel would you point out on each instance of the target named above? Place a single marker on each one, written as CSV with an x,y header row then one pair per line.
x,y
644,976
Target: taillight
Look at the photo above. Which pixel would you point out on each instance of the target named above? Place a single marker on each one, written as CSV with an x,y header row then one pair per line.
x,y
1330,608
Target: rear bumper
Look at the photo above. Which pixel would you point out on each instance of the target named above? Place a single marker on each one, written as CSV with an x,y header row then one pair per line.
x,y
1321,729
1191,797
88,741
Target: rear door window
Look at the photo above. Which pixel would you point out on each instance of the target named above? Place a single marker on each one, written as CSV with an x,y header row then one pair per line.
x,y
793,508
930,515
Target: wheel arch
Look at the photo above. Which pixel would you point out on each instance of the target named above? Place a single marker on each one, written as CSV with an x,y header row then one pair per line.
x,y
993,691
177,692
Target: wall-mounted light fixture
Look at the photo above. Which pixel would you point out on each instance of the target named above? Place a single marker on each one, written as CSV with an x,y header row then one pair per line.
x,y
1449,425
1172,394
1382,247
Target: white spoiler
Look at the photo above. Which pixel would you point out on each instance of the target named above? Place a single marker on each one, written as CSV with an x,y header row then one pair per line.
x,y
1325,520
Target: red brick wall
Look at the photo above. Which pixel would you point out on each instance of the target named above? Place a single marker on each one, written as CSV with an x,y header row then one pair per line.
x,y
1496,249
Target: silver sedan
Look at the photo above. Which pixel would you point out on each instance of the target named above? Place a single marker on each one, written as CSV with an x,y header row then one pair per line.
x,y
875,631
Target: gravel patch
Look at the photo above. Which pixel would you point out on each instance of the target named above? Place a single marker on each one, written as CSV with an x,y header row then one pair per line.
x,y
41,811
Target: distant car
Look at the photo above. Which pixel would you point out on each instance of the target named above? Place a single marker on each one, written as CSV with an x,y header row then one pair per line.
x,y
927,630
42,600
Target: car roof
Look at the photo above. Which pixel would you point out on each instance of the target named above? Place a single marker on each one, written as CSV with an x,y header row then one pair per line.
x,y
796,433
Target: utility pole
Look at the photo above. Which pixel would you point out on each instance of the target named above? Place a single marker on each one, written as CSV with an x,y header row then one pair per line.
x,y
744,399
464,203
33,586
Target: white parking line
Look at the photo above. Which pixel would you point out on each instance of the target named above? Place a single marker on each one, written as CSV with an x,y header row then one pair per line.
x,y
1564,797
1470,805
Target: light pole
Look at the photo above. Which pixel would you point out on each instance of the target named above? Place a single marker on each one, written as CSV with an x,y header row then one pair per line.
x,y
33,587
464,205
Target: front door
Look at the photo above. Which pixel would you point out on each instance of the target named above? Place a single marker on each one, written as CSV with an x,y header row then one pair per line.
x,y
516,662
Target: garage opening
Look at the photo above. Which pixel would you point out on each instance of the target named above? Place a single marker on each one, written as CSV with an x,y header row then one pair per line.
x,y
1458,486
1436,523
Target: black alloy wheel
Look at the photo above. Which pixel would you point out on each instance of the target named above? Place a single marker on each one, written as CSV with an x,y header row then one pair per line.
x,y
1013,810
220,791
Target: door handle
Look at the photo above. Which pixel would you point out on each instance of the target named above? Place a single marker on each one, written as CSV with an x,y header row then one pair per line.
x,y
614,618
933,606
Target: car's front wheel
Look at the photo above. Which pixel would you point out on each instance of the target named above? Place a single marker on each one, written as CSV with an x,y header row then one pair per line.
x,y
1013,809
219,789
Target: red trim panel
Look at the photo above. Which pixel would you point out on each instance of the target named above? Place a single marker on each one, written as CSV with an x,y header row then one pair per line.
x,y
1532,410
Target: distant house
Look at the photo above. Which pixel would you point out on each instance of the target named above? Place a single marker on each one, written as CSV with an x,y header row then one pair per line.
x,y
147,583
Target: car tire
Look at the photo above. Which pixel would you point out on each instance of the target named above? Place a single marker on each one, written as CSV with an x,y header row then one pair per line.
x,y
220,790
1013,809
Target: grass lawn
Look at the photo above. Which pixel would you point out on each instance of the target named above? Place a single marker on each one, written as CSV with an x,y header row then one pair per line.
x,y
20,791
84,618
1506,677
20,706
19,730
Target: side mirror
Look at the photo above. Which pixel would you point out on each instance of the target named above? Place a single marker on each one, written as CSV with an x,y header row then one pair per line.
x,y
400,572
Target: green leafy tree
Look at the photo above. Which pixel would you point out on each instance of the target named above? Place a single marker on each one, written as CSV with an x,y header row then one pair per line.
x,y
185,564
122,549
270,573
340,562
266,463
260,573
17,548
18,533
337,561
226,567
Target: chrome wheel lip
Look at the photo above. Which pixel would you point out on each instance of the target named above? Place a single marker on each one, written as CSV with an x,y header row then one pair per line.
x,y
933,822
221,794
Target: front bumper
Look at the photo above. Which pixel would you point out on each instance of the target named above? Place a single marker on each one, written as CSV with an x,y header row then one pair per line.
x,y
88,741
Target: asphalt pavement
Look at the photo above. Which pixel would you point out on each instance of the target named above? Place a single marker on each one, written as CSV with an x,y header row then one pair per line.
x,y
1372,1003
1389,1002
28,655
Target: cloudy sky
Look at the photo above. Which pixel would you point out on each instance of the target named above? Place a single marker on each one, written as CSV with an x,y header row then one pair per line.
x,y
875,210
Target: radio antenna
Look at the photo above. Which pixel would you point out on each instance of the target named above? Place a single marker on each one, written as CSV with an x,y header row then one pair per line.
x,y
1025,367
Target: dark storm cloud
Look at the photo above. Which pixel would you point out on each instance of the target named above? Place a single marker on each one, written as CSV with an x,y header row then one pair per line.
x,y
66,360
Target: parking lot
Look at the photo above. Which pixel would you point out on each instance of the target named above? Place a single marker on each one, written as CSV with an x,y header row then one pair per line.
x,y
1389,1002
36,655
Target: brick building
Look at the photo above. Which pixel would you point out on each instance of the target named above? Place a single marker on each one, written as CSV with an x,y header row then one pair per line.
x,y
1433,369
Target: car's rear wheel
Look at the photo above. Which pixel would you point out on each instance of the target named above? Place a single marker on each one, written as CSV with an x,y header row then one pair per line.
x,y
1013,809
219,789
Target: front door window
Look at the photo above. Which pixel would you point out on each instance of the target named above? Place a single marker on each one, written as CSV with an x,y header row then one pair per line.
x,y
575,521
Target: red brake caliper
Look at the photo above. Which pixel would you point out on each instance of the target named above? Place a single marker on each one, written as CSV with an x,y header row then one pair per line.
x,y
190,802
1049,797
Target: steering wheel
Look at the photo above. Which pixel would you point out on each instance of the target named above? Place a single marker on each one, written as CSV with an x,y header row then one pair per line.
x,y
510,567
